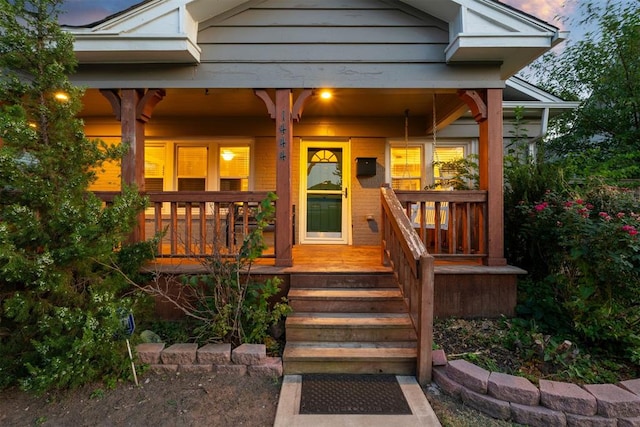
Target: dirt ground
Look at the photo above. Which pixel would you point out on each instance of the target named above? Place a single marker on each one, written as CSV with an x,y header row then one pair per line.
x,y
194,400
160,400
220,400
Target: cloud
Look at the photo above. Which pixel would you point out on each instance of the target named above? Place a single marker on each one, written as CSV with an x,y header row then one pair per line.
x,y
554,12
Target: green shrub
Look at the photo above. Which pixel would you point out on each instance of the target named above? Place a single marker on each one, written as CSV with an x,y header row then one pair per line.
x,y
590,251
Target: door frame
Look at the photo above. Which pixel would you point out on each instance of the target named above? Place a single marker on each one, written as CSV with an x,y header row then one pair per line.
x,y
346,236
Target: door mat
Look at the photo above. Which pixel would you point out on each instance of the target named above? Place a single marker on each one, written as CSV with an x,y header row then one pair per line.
x,y
352,394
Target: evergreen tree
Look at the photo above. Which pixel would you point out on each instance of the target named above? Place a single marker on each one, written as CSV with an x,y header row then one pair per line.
x,y
59,304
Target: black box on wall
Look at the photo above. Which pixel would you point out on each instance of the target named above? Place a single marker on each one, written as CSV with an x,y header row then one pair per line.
x,y
365,166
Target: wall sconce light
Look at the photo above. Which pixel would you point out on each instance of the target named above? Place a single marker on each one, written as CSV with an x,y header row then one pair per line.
x,y
228,155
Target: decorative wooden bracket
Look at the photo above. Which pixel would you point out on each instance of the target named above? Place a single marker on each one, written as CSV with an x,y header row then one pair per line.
x,y
148,100
298,106
271,106
476,103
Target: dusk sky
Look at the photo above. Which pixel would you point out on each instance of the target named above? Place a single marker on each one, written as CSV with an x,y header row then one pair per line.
x,y
81,12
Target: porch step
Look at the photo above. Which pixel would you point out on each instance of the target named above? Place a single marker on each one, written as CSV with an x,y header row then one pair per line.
x,y
348,323
350,327
342,280
347,300
358,358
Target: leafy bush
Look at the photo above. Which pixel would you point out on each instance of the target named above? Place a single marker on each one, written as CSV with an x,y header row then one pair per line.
x,y
59,303
589,251
226,303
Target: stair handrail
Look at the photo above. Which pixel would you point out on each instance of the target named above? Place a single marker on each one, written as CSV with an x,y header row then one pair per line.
x,y
413,267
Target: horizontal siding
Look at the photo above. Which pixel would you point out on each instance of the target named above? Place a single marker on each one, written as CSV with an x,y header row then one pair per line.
x,y
333,31
325,53
363,35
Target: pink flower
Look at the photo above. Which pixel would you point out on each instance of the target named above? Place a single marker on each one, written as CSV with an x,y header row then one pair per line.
x,y
605,216
541,206
589,206
579,201
630,229
568,204
620,215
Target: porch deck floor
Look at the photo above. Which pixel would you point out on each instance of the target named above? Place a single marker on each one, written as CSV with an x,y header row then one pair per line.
x,y
333,259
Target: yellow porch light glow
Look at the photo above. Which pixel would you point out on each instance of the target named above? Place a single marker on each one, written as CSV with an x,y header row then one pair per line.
x,y
326,94
61,96
33,125
228,155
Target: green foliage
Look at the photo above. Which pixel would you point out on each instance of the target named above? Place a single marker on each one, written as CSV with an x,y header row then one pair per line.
x,y
527,179
227,304
602,69
58,299
587,254
554,357
464,173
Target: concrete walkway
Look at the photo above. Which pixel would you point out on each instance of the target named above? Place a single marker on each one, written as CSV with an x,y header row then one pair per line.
x,y
288,414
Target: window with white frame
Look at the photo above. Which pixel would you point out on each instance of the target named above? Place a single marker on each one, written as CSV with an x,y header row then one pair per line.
x,y
417,165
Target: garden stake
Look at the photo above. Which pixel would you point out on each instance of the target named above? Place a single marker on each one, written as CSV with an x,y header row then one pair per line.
x,y
133,367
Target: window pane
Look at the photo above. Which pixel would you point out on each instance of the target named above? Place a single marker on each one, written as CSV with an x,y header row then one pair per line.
x,y
154,162
192,162
446,154
234,162
406,167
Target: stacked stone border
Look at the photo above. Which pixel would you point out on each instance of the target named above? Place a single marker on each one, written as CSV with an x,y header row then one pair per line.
x,y
552,403
246,359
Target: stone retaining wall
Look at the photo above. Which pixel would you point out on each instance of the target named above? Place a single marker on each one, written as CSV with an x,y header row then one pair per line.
x,y
552,403
248,359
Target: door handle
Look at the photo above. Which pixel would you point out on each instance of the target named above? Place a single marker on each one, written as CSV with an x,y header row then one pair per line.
x,y
346,193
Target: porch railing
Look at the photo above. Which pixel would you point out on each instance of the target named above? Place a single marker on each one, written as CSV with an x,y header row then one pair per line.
x,y
413,266
451,224
197,223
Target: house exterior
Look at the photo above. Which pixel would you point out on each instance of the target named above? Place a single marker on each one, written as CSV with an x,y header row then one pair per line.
x,y
224,96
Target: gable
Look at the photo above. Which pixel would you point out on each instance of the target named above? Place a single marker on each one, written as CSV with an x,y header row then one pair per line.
x,y
388,43
331,31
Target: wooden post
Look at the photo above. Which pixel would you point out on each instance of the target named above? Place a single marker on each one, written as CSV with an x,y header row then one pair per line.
x,y
425,338
284,209
486,108
284,112
133,107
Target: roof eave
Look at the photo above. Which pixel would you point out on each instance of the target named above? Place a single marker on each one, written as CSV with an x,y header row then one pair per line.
x,y
116,48
514,52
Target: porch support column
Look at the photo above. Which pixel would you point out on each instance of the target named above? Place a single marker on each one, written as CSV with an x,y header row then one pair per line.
x,y
133,108
284,206
486,108
284,111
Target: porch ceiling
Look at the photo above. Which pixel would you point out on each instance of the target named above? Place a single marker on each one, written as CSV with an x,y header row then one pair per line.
x,y
243,103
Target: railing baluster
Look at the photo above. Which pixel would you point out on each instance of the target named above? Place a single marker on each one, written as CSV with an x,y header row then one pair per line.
x,y
174,228
203,227
158,219
188,219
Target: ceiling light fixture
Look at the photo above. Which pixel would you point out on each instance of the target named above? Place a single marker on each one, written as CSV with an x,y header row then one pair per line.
x,y
325,94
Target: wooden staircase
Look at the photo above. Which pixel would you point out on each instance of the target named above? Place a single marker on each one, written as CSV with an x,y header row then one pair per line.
x,y
348,323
